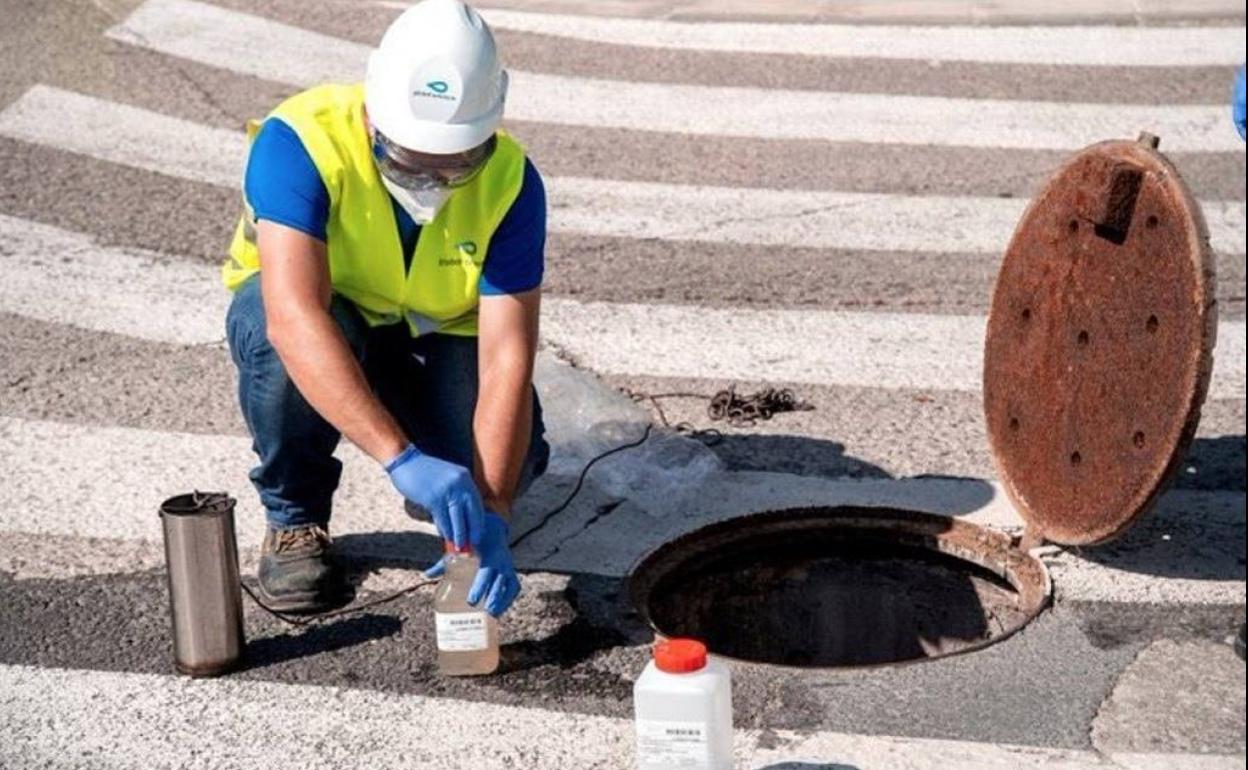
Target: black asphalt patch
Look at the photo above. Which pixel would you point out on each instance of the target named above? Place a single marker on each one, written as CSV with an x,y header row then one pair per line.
x,y
577,648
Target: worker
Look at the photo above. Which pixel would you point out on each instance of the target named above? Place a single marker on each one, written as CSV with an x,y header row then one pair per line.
x,y
386,277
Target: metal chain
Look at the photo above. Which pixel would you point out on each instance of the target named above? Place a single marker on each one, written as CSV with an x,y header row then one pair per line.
x,y
728,406
746,411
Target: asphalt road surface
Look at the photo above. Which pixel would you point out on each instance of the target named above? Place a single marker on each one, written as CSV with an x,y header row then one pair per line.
x,y
779,204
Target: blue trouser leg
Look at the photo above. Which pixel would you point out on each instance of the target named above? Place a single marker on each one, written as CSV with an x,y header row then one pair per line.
x,y
297,473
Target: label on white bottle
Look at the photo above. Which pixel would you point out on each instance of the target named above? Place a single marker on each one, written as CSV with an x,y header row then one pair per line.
x,y
462,631
673,744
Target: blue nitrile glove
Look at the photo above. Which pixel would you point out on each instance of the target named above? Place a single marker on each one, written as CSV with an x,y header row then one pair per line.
x,y
1237,102
444,489
496,581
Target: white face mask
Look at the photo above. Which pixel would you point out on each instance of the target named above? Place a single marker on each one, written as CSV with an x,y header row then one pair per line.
x,y
421,205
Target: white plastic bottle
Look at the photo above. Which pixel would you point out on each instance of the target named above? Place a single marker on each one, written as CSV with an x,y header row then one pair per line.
x,y
467,635
683,706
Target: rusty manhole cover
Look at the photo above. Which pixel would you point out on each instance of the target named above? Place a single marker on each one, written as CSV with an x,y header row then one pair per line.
x,y
827,587
1100,342
1098,358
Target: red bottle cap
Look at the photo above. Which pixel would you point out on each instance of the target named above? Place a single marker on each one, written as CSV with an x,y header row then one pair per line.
x,y
680,656
450,547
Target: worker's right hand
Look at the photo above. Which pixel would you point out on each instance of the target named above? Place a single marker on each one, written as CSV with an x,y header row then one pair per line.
x,y
445,490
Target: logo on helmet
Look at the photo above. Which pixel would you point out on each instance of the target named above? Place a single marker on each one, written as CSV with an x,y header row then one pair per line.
x,y
436,89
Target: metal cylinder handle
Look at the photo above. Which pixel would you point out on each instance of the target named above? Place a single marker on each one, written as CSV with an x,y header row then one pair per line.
x,y
205,601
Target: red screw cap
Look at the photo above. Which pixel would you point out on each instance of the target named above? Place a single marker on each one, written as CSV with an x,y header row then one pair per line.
x,y
680,656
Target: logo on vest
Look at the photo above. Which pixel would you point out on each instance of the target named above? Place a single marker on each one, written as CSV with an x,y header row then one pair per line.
x,y
436,89
465,256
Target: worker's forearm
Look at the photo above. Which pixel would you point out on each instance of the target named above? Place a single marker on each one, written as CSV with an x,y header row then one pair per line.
x,y
319,361
502,427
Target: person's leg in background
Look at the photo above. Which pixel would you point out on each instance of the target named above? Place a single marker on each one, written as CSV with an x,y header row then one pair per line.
x,y
297,472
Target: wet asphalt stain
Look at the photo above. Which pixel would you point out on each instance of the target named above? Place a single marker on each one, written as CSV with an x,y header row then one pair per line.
x,y
1110,625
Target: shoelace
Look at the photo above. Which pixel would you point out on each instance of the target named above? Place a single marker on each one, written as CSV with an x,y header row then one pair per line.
x,y
294,539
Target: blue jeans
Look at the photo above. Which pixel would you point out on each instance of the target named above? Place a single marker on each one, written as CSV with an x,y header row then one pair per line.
x,y
429,384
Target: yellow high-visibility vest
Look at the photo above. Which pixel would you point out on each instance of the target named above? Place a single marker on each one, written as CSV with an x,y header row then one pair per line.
x,y
439,293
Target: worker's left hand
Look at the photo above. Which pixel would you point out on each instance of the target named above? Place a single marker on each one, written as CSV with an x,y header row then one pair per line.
x,y
496,582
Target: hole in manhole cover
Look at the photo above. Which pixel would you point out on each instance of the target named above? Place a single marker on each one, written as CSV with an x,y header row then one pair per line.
x,y
828,587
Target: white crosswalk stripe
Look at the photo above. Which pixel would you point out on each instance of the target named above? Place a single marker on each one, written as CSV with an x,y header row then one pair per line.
x,y
833,220
231,40
150,717
78,492
1119,46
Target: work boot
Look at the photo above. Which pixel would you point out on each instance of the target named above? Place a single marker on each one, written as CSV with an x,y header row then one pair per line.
x,y
298,571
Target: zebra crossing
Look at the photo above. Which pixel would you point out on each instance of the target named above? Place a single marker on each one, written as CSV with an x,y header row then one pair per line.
x,y
716,216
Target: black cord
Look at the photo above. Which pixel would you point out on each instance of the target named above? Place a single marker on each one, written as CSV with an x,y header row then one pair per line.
x,y
725,405
581,482
307,620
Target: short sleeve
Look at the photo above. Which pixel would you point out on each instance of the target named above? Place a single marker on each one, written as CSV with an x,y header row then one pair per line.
x,y
282,184
517,256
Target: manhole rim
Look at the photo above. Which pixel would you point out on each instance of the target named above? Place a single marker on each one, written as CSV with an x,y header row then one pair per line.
x,y
955,537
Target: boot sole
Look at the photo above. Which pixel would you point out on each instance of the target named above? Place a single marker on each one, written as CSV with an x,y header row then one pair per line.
x,y
306,603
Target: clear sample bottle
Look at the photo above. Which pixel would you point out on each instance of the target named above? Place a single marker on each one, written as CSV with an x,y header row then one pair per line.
x,y
467,636
683,707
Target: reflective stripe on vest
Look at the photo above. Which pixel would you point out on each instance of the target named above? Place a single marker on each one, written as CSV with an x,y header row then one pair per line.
x,y
440,291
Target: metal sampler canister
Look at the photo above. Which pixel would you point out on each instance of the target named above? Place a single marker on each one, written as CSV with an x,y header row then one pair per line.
x,y
205,602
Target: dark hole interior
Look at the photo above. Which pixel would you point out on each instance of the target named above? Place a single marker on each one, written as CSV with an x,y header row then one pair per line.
x,y
833,601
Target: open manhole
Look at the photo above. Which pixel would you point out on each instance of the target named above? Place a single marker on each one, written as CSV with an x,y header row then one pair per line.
x,y
1097,361
840,587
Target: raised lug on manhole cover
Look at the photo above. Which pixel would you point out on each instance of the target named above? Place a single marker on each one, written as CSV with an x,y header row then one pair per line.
x,y
1100,342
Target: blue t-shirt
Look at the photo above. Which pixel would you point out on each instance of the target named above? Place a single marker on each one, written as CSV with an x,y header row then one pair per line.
x,y
282,185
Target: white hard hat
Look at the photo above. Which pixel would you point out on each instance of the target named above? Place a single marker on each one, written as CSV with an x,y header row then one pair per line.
x,y
435,84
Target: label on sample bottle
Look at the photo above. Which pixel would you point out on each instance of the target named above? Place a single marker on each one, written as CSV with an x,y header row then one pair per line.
x,y
462,631
673,744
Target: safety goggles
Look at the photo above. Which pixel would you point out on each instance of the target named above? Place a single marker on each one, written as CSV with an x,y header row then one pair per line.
x,y
418,170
